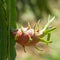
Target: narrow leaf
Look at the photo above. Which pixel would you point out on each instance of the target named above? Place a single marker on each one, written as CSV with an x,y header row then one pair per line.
x,y
45,41
11,19
3,32
47,31
49,22
48,36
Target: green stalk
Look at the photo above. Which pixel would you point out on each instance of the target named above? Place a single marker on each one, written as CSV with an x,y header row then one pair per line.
x,y
49,22
3,32
11,19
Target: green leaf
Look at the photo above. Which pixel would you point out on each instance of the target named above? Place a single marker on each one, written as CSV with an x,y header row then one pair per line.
x,y
11,20
3,32
47,31
45,41
48,23
48,36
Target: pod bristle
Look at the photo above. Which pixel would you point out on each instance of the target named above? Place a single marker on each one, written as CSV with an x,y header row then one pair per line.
x,y
22,29
38,26
29,26
30,39
24,49
35,30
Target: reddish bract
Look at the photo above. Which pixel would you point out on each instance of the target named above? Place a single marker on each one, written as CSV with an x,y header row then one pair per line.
x,y
24,38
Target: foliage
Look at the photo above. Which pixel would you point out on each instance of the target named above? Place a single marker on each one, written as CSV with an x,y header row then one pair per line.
x,y
7,21
3,32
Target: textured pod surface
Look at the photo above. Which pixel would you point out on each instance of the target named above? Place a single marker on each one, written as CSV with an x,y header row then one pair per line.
x,y
31,36
27,38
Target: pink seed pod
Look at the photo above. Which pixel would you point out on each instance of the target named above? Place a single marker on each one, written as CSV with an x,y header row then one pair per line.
x,y
27,36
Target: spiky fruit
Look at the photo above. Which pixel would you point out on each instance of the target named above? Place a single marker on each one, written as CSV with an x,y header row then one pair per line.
x,y
27,38
31,36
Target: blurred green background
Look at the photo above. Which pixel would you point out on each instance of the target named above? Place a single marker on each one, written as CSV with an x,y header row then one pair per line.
x,y
32,11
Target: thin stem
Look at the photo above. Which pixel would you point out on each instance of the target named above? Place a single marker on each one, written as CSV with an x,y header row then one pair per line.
x,y
49,22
